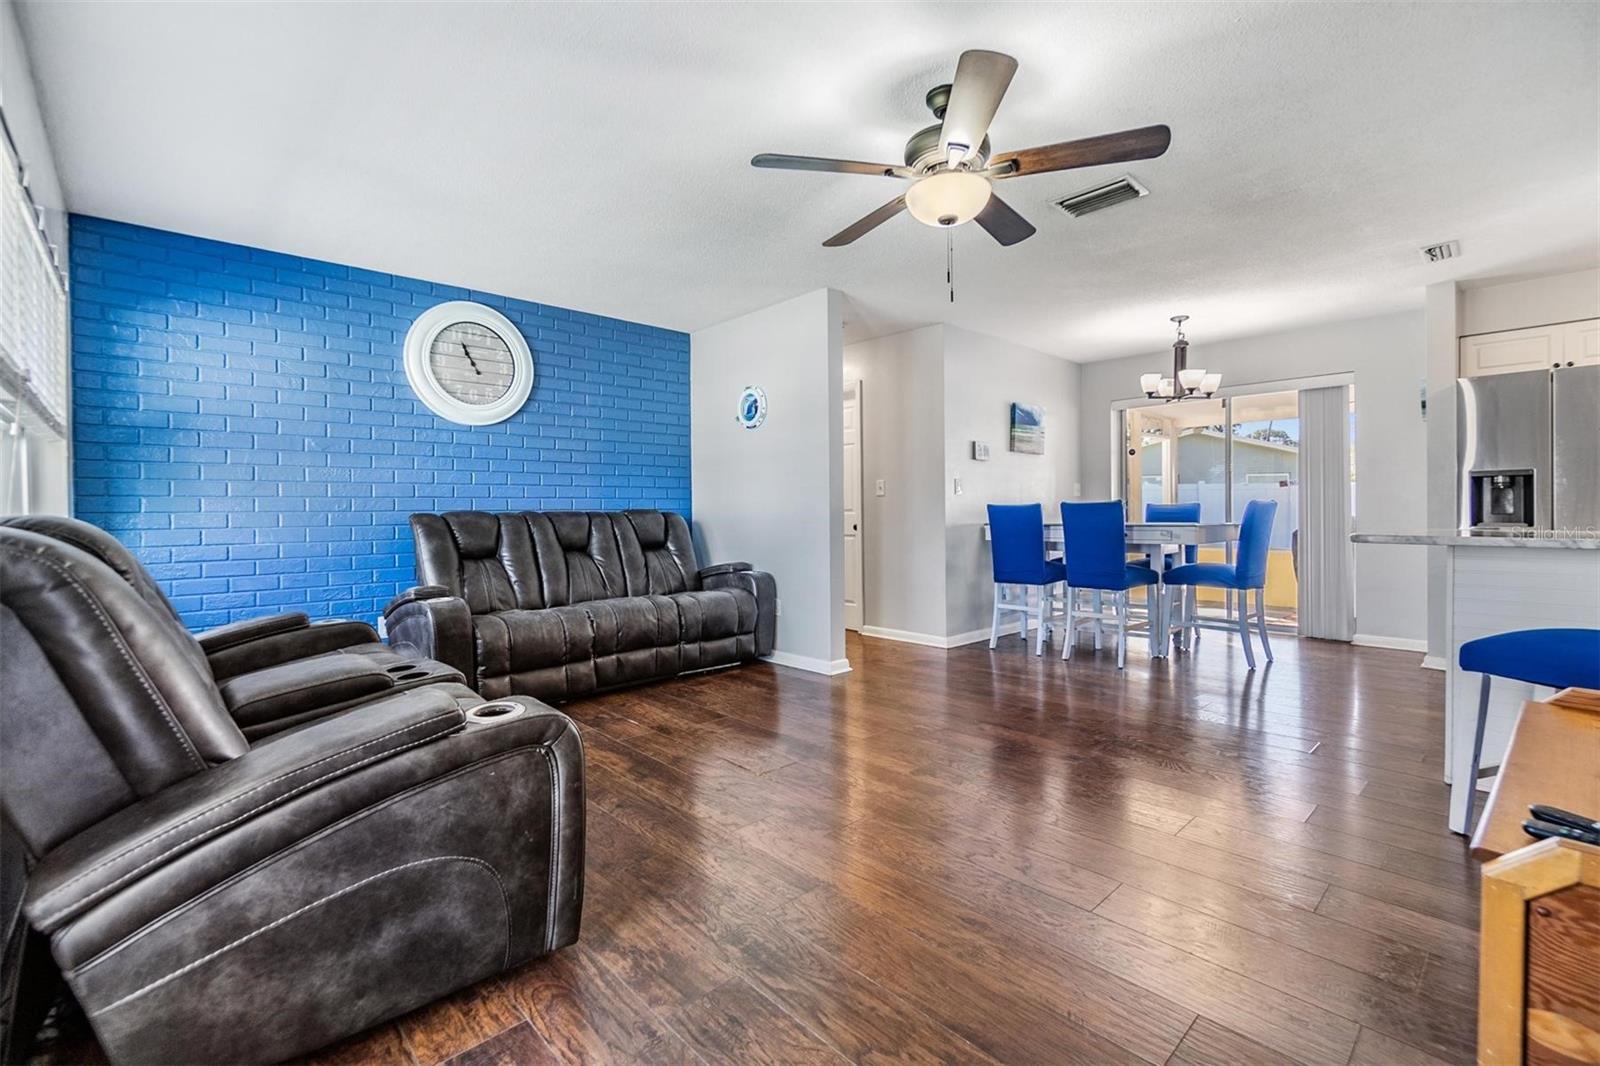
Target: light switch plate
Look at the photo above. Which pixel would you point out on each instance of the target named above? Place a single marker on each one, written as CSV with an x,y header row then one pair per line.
x,y
879,487
958,487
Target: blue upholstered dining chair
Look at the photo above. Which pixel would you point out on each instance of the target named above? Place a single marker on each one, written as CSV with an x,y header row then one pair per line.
x,y
1554,658
1247,573
1176,512
1016,535
1096,536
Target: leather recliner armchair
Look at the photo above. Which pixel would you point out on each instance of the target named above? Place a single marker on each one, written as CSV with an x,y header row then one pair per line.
x,y
212,900
276,671
562,603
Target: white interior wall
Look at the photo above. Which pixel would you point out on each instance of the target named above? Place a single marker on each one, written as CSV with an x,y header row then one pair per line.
x,y
983,377
902,445
1387,356
773,495
927,394
1530,302
49,460
1442,325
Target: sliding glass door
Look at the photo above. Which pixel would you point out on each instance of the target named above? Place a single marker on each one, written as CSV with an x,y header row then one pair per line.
x,y
1265,432
1222,454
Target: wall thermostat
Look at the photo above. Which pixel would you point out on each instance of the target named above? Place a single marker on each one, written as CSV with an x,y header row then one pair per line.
x,y
980,451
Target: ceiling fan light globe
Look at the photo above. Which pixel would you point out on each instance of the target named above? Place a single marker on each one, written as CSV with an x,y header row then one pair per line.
x,y
1191,379
1149,383
948,198
1210,383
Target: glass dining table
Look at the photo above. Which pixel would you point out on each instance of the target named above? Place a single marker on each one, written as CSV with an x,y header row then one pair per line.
x,y
1154,539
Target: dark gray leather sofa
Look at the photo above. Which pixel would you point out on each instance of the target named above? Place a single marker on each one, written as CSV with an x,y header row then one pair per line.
x,y
561,603
209,899
274,672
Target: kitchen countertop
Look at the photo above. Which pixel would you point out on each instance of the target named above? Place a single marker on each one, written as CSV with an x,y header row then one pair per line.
x,y
1495,540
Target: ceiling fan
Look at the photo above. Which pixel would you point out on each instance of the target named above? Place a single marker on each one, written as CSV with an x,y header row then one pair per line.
x,y
949,165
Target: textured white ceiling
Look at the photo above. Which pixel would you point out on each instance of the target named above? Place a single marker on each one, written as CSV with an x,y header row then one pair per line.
x,y
596,155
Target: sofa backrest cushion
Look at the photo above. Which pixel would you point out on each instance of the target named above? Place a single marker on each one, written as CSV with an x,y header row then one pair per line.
x,y
578,556
111,551
486,559
536,559
102,704
657,553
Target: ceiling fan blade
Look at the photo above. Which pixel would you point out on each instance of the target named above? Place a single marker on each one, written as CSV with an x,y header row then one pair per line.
x,y
772,161
981,81
1147,142
866,225
1003,223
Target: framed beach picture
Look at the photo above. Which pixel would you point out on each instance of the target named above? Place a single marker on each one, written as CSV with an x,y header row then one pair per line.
x,y
1027,429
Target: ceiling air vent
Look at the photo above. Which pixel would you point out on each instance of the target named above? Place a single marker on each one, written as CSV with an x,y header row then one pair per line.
x,y
1102,196
1438,253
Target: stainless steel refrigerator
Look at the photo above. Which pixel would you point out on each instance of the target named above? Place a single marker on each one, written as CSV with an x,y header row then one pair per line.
x,y
1529,450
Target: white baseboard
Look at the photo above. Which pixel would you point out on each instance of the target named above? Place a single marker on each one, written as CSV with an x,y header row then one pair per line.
x,y
927,640
806,662
1434,662
904,636
1369,640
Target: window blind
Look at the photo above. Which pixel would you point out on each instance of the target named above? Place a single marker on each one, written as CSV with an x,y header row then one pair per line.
x,y
33,310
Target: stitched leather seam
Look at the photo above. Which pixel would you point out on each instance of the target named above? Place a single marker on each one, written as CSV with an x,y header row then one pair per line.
x,y
505,904
557,819
232,799
122,649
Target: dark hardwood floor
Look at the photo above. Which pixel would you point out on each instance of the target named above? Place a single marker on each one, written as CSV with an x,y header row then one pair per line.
x,y
979,857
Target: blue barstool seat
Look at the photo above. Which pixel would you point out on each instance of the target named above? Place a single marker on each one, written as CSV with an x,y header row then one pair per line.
x,y
1554,658
1248,572
1016,536
1096,536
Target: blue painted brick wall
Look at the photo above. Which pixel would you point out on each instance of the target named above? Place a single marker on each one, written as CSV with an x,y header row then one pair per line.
x,y
242,421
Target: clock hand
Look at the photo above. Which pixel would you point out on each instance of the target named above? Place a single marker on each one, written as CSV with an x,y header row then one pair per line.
x,y
471,360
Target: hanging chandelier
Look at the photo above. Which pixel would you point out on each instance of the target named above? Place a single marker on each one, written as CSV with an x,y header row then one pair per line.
x,y
1184,384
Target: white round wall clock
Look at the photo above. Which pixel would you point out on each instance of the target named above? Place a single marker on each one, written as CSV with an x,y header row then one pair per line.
x,y
752,407
468,363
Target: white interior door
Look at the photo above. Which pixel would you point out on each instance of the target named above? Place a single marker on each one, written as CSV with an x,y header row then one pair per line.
x,y
852,505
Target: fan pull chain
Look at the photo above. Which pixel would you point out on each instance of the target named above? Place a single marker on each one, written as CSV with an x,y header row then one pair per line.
x,y
950,261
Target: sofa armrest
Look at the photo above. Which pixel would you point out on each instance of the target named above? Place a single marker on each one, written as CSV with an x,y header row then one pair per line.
x,y
764,588
267,649
250,629
292,689
435,625
723,568
416,594
158,829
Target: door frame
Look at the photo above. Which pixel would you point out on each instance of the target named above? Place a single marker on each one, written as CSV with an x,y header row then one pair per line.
x,y
858,472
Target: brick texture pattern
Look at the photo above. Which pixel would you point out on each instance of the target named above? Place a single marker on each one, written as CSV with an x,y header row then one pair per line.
x,y
242,421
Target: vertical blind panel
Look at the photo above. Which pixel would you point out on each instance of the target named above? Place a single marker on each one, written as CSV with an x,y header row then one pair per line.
x,y
33,300
1327,571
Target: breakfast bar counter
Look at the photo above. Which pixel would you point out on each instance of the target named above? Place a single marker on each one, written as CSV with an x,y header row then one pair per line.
x,y
1497,584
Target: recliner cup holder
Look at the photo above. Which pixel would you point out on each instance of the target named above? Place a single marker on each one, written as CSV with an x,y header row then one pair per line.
x,y
498,711
400,668
414,675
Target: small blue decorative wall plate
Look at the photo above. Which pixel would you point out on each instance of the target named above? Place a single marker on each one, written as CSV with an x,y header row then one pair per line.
x,y
752,408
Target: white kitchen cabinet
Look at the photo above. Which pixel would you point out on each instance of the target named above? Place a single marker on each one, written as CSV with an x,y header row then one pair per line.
x,y
1582,343
1539,348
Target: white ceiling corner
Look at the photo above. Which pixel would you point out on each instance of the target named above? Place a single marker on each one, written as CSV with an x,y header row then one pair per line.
x,y
597,155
